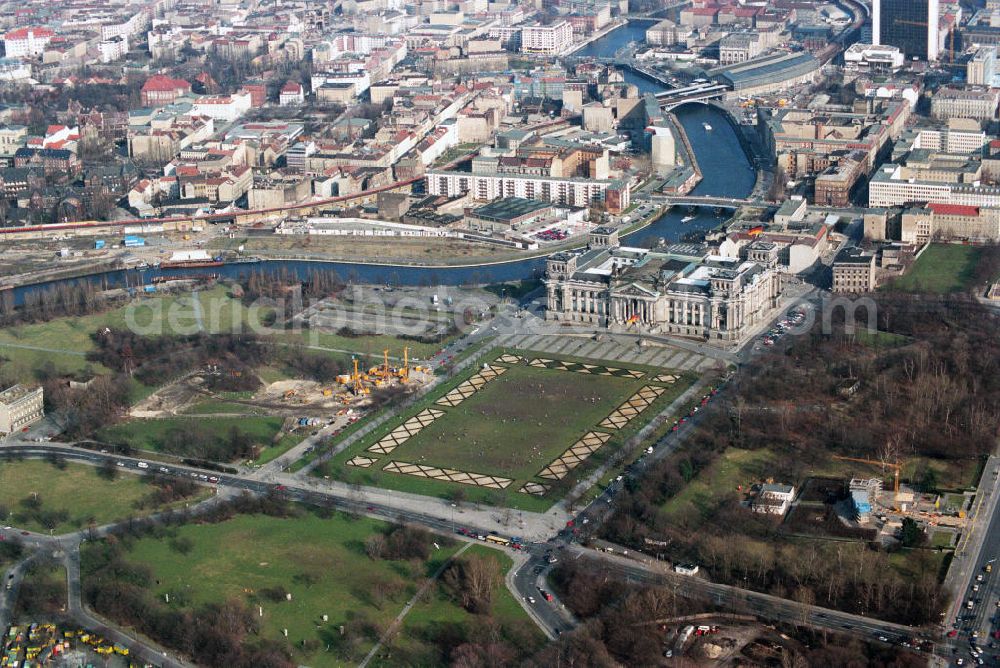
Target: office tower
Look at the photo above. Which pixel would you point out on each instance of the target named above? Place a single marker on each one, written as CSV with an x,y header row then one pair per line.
x,y
911,25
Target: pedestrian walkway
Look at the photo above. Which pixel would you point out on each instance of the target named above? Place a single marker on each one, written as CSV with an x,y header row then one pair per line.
x,y
610,349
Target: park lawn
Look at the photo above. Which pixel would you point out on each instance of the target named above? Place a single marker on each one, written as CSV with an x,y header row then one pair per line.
x,y
942,268
77,489
879,339
369,345
515,289
216,406
67,340
47,580
943,539
242,556
286,443
568,428
721,478
23,365
149,434
910,562
518,423
438,611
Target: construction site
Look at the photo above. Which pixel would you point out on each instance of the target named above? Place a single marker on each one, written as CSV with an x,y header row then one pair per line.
x,y
873,507
191,394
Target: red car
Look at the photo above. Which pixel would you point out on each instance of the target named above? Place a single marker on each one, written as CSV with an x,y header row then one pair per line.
x,y
281,488
953,633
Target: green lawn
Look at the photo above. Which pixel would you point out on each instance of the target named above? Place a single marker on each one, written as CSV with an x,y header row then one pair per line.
x,y
77,490
215,407
518,423
942,268
438,611
880,339
513,428
734,468
369,344
321,562
284,444
67,340
942,539
153,434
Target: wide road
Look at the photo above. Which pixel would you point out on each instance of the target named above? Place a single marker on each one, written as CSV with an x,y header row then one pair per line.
x,y
743,600
978,547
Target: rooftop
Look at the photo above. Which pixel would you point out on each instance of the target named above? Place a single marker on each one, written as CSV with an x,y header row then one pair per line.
x,y
15,393
509,208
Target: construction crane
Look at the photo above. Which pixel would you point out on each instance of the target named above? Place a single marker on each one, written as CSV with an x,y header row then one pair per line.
x,y
923,24
357,386
404,373
896,468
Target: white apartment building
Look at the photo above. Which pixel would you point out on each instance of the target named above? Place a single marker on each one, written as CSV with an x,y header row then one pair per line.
x,y
20,407
112,49
133,25
551,39
223,108
949,140
12,69
489,186
888,188
26,42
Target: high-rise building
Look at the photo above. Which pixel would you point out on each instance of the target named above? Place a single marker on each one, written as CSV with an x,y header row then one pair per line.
x,y
911,25
981,68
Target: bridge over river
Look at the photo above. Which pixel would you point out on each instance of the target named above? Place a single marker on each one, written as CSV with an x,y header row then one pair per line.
x,y
703,200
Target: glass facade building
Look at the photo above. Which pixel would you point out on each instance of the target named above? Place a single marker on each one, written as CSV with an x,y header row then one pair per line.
x,y
911,25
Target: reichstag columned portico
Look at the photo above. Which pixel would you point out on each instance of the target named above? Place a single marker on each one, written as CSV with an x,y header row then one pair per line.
x,y
679,289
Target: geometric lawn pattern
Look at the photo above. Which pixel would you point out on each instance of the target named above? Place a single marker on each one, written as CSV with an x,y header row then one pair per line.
x,y
534,488
450,475
400,434
586,446
510,358
580,367
471,386
636,404
665,378
361,461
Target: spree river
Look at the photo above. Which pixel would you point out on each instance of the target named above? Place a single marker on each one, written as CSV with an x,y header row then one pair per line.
x,y
725,168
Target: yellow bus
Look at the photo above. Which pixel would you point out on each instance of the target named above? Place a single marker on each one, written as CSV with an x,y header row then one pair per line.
x,y
499,540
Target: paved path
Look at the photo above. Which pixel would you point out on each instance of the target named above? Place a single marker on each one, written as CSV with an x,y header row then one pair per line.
x,y
57,351
396,623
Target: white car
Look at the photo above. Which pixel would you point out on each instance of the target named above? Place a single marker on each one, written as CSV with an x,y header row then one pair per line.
x,y
143,465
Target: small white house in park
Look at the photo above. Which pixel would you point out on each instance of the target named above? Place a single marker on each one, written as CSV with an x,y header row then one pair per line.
x,y
773,498
686,569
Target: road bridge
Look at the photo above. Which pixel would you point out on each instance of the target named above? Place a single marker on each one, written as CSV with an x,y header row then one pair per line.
x,y
702,200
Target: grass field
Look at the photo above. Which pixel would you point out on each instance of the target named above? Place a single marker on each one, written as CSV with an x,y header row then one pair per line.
x,y
438,611
370,344
720,479
242,556
153,434
942,268
500,431
65,341
77,490
943,539
512,428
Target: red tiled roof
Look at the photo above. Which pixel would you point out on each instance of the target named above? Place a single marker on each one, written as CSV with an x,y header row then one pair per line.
x,y
954,209
161,82
22,33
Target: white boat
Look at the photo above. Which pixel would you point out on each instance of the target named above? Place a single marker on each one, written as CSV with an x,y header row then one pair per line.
x,y
707,127
688,219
